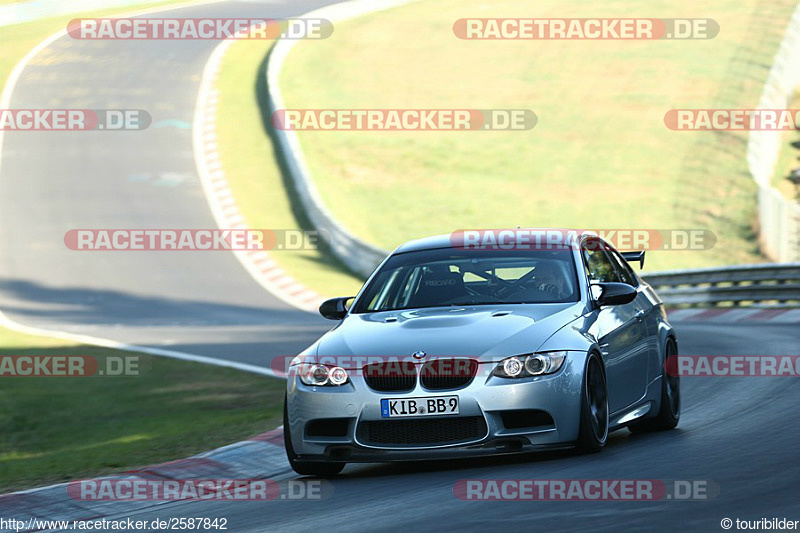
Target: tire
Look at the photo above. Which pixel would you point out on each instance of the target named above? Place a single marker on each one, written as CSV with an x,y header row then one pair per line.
x,y
670,412
306,468
593,432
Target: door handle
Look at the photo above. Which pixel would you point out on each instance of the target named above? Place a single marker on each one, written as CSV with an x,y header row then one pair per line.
x,y
639,315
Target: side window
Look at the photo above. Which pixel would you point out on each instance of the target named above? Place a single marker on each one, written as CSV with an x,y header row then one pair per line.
x,y
624,269
598,265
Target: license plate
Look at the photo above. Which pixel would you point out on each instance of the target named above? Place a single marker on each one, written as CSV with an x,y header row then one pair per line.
x,y
402,407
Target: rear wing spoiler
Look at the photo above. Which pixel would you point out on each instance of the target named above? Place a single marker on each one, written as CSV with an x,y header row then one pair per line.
x,y
632,257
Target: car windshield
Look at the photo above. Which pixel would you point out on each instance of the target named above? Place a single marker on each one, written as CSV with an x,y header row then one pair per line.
x,y
450,277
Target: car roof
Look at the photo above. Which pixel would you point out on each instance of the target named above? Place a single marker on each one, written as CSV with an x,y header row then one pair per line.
x,y
450,239
426,243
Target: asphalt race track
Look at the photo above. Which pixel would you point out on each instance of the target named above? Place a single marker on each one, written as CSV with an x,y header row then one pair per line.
x,y
739,434
50,182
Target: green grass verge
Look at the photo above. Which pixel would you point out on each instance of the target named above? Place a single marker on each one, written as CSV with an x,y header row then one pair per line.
x,y
55,429
600,157
789,158
254,174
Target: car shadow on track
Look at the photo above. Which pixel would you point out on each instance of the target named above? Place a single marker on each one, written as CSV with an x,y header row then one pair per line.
x,y
32,301
616,442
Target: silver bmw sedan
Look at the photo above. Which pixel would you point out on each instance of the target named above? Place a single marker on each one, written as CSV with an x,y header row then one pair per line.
x,y
451,350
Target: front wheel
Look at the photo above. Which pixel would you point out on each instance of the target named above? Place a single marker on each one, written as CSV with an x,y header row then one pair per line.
x,y
670,412
306,468
593,432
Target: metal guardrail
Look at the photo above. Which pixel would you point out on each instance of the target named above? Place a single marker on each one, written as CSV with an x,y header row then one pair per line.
x,y
357,255
768,285
779,228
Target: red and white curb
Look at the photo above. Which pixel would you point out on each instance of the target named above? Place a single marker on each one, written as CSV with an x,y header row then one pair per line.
x,y
260,457
223,205
753,315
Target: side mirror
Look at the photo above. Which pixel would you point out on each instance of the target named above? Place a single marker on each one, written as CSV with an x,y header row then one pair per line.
x,y
335,308
615,294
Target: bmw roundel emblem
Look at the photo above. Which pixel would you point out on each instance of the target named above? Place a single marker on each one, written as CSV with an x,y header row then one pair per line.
x,y
419,354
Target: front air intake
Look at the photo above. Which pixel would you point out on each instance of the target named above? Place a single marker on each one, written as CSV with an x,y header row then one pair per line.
x,y
391,376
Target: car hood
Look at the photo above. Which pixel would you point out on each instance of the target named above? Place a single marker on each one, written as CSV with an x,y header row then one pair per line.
x,y
485,332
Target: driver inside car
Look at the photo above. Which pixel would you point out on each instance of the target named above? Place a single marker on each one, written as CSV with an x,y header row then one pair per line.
x,y
547,279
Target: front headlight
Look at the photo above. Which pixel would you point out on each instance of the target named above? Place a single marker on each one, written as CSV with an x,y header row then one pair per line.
x,y
322,375
536,364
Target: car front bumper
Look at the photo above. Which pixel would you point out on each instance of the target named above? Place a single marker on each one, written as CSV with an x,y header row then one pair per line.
x,y
489,400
